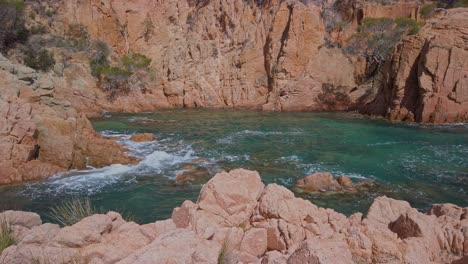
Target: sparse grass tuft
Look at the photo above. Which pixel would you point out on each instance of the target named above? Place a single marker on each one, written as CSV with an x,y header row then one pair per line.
x,y
227,253
71,212
6,234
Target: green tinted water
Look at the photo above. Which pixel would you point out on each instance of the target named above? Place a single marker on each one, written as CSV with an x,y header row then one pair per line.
x,y
421,164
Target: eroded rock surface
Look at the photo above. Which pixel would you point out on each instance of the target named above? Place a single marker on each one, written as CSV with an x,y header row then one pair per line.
x,y
426,78
41,135
239,220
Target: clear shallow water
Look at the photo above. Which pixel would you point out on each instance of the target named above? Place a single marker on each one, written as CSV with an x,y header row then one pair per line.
x,y
421,164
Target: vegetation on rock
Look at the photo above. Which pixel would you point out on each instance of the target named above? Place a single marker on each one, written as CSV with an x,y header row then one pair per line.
x,y
7,237
42,59
12,28
71,212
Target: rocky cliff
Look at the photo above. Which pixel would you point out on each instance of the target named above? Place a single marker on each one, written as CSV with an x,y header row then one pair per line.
x,y
280,55
41,135
237,219
426,78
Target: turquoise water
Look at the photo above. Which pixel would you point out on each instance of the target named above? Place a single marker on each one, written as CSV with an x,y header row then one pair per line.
x,y
419,163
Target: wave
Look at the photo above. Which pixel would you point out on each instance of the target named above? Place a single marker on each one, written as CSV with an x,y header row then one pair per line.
x,y
153,162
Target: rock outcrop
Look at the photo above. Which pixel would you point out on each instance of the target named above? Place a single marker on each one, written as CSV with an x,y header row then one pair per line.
x,y
426,78
324,182
143,137
41,135
238,220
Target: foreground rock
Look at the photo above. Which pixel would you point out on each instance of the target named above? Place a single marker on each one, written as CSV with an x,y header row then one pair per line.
x,y
239,220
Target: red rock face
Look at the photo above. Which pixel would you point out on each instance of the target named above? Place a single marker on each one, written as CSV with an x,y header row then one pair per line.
x,y
38,140
426,79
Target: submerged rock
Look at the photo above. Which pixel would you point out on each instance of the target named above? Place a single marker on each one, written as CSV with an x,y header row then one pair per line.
x,y
238,220
324,182
143,137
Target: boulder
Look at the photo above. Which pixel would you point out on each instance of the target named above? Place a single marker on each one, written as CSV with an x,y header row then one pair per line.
x,y
385,210
20,218
345,182
255,242
143,137
87,231
232,195
319,182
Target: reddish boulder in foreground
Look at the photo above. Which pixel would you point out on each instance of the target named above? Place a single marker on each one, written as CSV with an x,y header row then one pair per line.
x,y
237,220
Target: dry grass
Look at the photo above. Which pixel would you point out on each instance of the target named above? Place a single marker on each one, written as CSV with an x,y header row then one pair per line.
x,y
71,212
7,237
227,254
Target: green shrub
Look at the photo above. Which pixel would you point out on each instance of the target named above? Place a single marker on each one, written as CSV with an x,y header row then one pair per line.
x,y
38,30
427,9
99,60
71,212
6,234
12,28
135,61
114,72
408,24
376,24
460,3
41,59
50,13
19,5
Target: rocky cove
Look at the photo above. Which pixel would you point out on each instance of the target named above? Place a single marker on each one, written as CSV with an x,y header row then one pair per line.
x,y
63,62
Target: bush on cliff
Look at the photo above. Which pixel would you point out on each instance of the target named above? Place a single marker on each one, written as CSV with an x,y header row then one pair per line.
x,y
408,25
135,61
38,59
7,237
99,59
375,39
427,9
12,29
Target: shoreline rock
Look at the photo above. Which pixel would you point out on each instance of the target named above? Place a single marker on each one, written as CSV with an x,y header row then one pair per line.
x,y
142,137
324,182
238,218
41,135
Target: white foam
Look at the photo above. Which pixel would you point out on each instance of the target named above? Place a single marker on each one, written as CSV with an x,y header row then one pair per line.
x,y
94,180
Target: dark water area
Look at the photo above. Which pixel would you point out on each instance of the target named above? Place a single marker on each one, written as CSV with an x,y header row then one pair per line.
x,y
423,164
